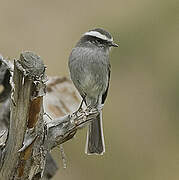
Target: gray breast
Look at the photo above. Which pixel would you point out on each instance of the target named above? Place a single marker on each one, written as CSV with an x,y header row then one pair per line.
x,y
89,70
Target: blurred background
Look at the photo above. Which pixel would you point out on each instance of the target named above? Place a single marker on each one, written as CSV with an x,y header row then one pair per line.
x,y
141,114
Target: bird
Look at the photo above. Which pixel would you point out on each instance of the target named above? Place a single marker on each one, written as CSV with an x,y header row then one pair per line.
x,y
90,69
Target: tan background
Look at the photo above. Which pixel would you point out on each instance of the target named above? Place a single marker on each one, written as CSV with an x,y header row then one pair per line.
x,y
141,118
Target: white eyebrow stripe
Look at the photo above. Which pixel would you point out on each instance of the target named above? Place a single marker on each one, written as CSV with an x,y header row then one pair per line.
x,y
98,35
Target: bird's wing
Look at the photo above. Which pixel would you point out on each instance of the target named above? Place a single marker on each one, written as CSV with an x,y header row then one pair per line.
x,y
106,92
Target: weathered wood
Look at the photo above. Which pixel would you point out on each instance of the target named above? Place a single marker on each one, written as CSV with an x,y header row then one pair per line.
x,y
15,165
4,80
33,133
6,69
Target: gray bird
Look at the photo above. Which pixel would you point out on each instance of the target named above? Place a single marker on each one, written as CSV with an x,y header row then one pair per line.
x,y
90,72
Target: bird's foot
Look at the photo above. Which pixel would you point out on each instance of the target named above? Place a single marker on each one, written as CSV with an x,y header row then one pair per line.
x,y
80,109
100,107
91,110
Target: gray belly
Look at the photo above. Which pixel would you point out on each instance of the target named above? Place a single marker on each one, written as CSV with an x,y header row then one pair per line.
x,y
90,79
94,82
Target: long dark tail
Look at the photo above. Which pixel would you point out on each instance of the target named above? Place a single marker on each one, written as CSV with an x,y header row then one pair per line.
x,y
95,138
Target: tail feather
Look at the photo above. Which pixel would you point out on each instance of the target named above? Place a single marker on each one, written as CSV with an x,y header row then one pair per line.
x,y
95,138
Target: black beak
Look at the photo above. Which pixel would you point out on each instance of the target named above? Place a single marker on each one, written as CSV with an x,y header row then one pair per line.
x,y
114,44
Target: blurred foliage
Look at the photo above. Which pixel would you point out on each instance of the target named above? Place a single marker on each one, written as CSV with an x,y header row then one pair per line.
x,y
141,117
